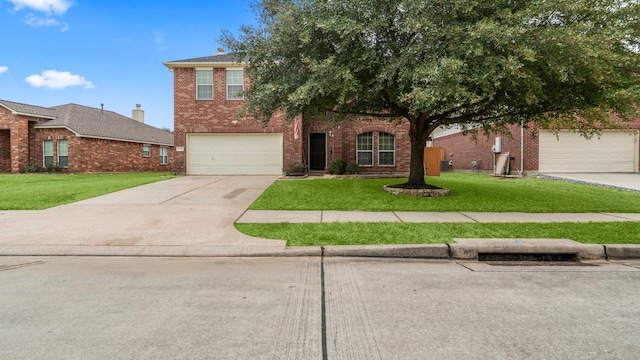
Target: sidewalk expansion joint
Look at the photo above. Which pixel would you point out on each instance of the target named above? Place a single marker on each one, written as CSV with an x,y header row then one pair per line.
x,y
468,217
323,307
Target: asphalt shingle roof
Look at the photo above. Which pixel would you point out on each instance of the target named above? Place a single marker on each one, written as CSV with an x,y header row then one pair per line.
x,y
30,110
217,58
97,123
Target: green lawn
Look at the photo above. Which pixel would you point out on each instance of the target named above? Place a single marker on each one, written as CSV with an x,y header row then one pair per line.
x,y
469,192
42,191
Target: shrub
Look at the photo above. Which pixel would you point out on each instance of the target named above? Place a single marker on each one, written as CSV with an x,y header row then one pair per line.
x,y
49,167
32,168
296,169
338,167
353,168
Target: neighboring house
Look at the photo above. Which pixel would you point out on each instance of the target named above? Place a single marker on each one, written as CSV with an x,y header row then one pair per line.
x,y
544,151
80,139
211,138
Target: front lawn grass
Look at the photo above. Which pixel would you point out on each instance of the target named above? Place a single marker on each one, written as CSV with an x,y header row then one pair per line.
x,y
42,191
323,234
469,192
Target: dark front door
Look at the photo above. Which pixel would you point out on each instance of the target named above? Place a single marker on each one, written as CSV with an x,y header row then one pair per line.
x,y
317,151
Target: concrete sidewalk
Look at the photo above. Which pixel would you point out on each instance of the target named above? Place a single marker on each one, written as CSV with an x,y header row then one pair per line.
x,y
320,216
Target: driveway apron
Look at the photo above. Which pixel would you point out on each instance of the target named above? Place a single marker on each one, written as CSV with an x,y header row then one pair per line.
x,y
185,211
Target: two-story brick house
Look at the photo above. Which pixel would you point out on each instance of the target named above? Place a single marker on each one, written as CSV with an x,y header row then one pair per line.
x,y
80,139
211,138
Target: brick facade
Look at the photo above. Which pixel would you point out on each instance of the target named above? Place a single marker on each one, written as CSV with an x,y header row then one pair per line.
x,y
222,116
87,155
342,143
192,116
21,143
462,150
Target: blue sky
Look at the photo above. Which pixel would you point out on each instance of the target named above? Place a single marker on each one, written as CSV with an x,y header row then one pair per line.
x,y
57,52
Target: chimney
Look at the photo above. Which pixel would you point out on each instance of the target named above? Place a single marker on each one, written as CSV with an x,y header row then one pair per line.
x,y
101,108
220,51
138,114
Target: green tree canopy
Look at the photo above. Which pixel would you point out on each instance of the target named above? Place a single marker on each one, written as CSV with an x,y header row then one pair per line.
x,y
444,62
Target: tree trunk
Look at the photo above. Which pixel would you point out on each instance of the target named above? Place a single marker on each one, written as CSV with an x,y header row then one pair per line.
x,y
416,167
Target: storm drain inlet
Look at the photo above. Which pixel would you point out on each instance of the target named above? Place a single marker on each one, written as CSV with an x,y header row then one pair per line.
x,y
526,257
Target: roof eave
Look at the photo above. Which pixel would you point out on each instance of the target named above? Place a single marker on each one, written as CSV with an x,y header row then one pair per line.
x,y
187,64
40,116
77,134
39,126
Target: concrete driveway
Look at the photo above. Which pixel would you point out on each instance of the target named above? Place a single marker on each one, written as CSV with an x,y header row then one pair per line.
x,y
183,216
627,181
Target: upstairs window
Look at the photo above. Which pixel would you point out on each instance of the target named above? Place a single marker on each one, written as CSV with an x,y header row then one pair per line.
x,y
364,149
204,84
386,149
63,153
47,152
235,84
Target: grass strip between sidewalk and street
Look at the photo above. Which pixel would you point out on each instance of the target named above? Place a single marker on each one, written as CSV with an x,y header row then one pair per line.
x,y
43,191
323,234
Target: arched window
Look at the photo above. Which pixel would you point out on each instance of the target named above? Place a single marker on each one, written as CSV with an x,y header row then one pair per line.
x,y
386,149
364,149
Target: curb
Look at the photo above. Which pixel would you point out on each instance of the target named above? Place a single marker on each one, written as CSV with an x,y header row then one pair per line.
x,y
622,251
457,251
422,251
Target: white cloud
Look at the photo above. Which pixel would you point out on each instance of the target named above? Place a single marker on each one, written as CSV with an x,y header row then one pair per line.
x,y
39,22
47,6
3,69
53,79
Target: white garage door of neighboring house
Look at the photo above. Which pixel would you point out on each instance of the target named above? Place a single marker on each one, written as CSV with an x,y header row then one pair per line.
x,y
614,151
234,154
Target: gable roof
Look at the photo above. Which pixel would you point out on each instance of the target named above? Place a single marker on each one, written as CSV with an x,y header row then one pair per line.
x,y
102,124
217,60
29,110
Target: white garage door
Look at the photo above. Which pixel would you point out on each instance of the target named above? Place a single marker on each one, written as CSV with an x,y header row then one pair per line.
x,y
614,151
234,154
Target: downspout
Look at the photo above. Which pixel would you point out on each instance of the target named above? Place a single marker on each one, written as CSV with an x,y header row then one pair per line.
x,y
521,147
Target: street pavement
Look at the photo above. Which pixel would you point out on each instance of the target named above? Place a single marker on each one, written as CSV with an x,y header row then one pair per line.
x,y
315,308
195,216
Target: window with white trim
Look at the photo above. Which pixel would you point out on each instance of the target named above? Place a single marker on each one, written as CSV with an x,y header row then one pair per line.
x,y
204,84
63,153
364,149
47,152
164,155
235,84
386,149
146,150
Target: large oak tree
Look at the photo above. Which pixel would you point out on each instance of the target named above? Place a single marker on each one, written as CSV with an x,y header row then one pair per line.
x,y
477,63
